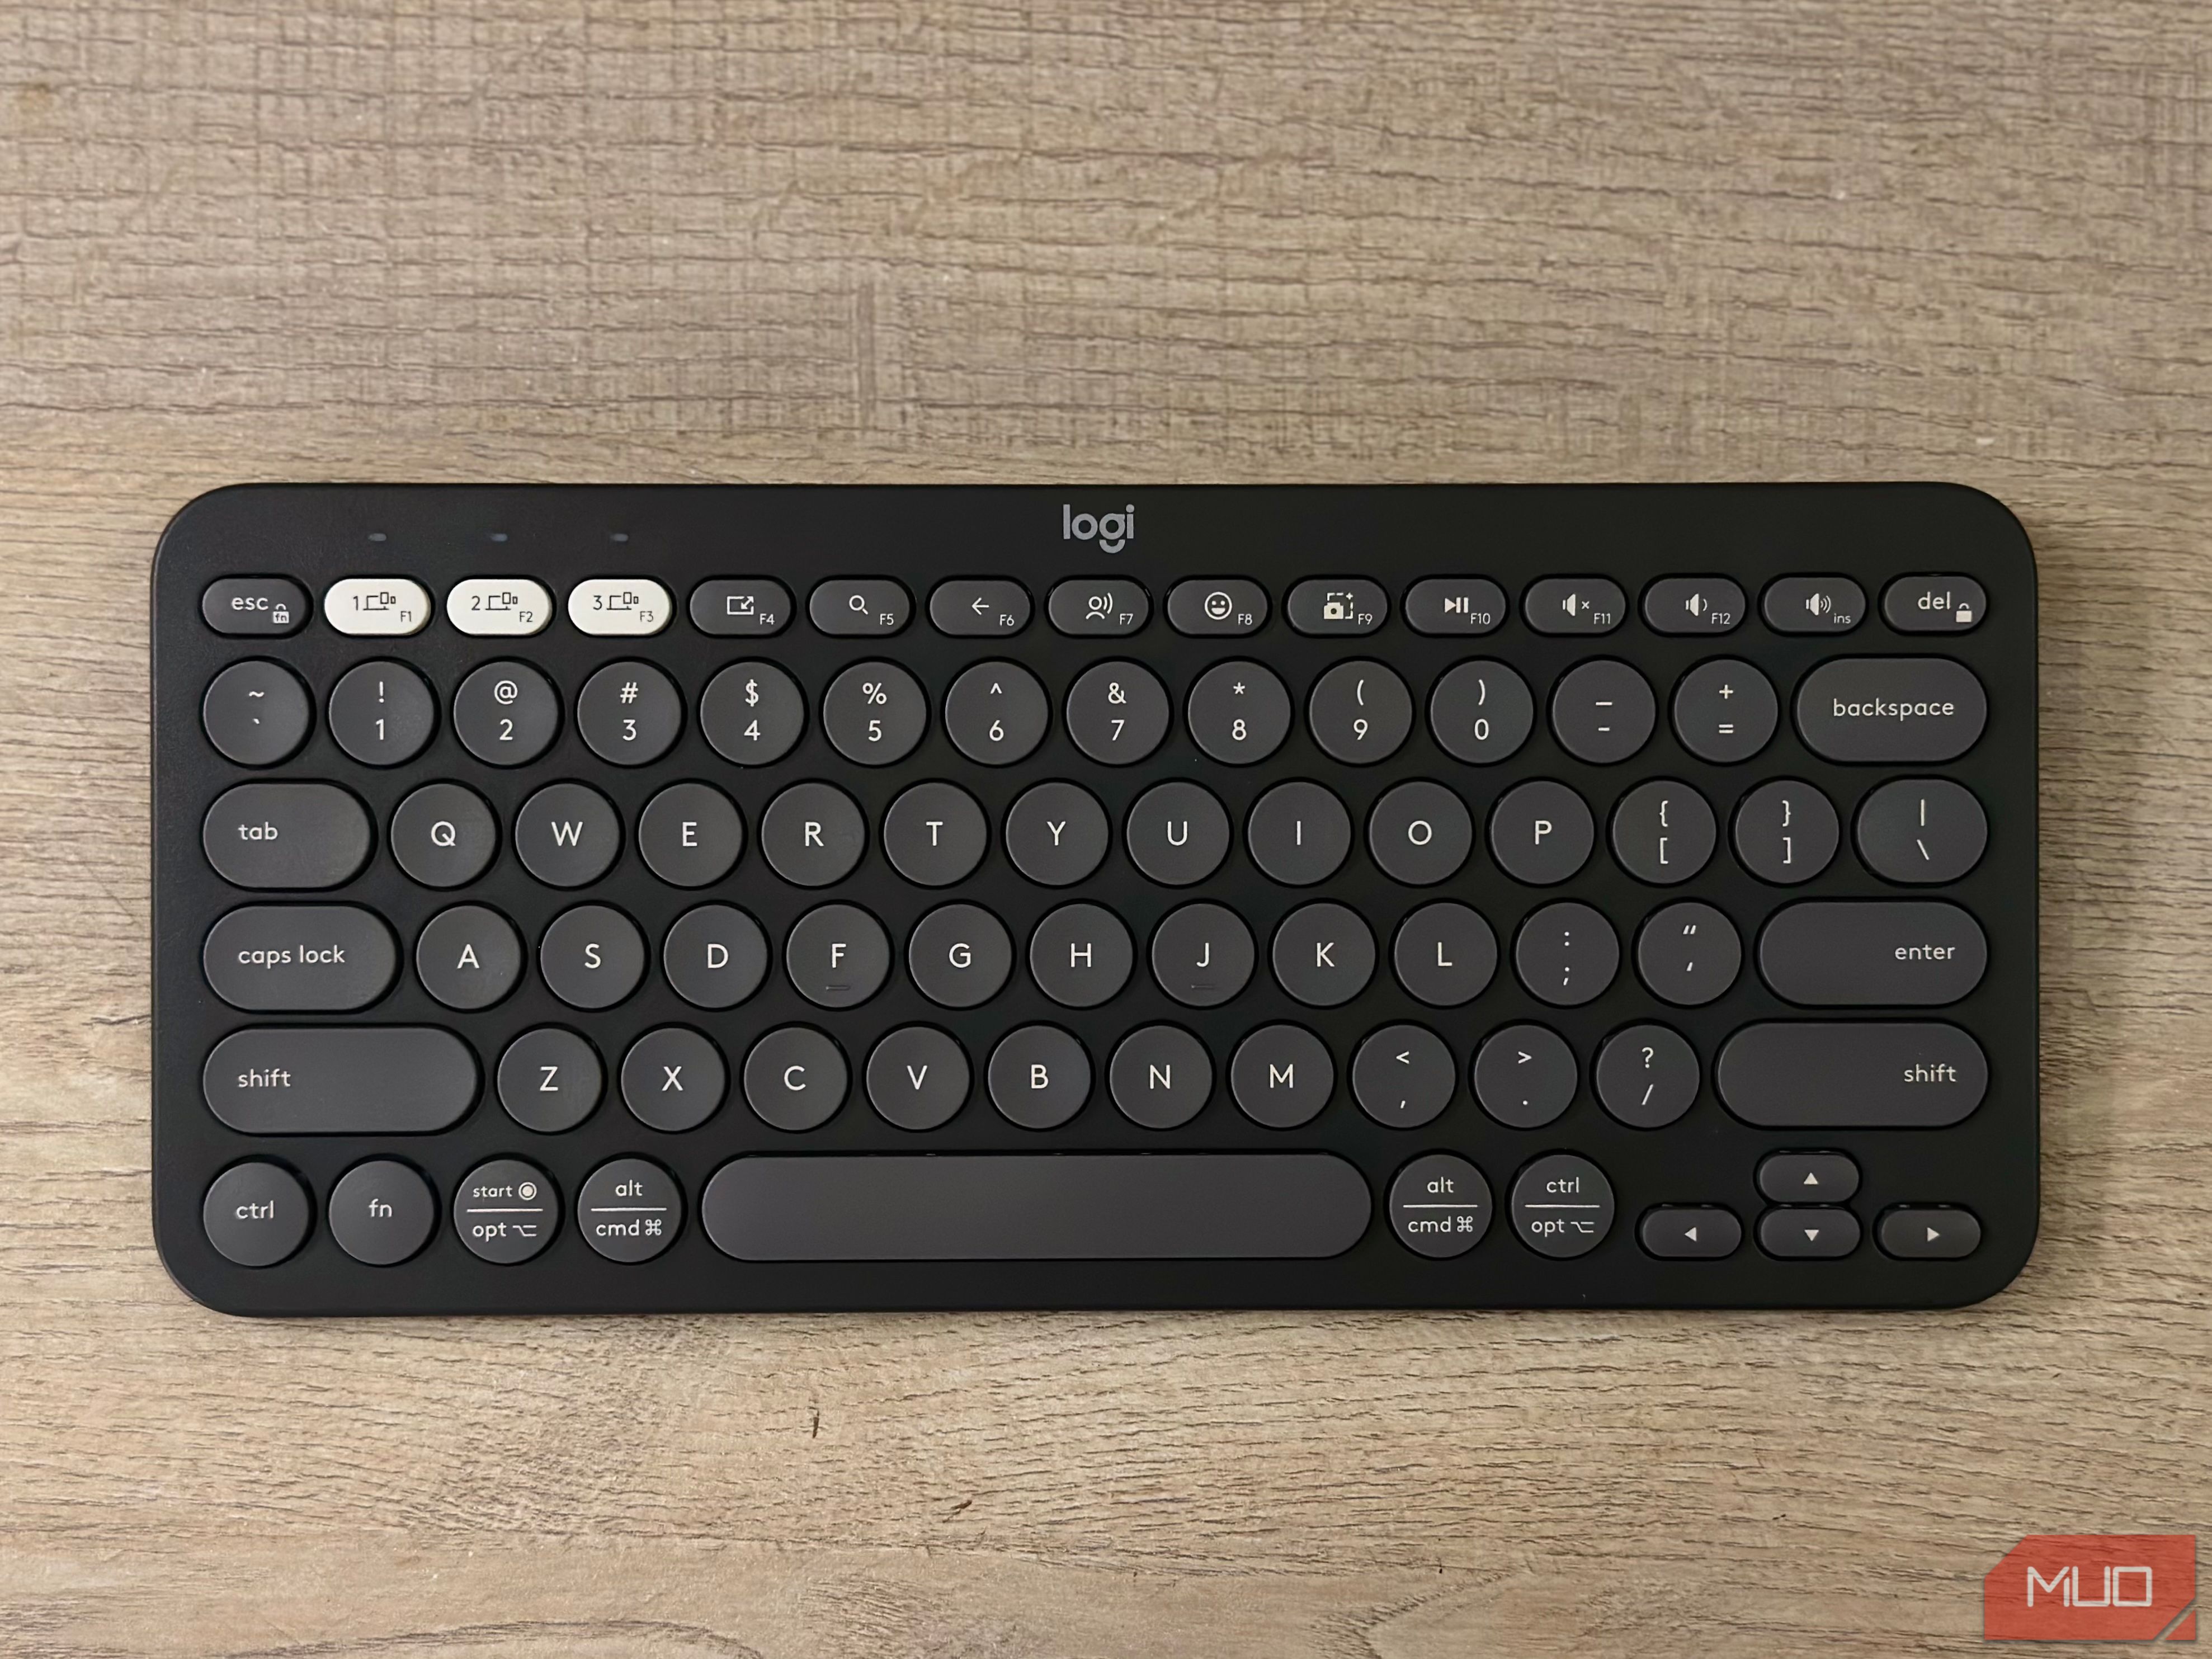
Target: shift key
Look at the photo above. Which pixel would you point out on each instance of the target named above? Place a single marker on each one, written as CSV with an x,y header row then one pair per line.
x,y
1873,953
340,1080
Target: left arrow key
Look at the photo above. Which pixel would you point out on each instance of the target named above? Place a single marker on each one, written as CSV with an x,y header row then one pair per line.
x,y
303,836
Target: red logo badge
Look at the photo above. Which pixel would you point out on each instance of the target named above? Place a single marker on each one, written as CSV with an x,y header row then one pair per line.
x,y
2093,1587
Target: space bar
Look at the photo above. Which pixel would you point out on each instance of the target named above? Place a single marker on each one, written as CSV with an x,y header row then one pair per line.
x,y
1025,1206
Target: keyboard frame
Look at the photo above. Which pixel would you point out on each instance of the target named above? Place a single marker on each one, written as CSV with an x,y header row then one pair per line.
x,y
1276,534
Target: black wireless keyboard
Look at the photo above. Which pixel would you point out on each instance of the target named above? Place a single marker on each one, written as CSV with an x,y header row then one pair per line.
x,y
597,899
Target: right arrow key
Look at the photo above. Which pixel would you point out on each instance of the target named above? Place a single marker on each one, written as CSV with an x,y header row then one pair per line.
x,y
1929,1232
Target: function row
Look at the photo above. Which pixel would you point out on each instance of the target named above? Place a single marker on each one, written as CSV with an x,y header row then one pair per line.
x,y
1895,710
1087,606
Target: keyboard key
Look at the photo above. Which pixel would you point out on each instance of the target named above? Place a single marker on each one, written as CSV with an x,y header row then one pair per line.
x,y
1217,604
1689,954
838,956
1693,604
382,1213
1785,832
629,713
1855,954
960,956
1725,711
1574,604
996,712
1239,713
974,608
714,957
1835,1075
1542,833
795,1078
1526,1076
863,607
1107,1206
505,1210
1202,955
1081,956
1663,832
1680,1232
1440,1205
1117,712
934,835
592,957
469,958
1419,833
629,1210
510,607
1360,713
1808,1233
551,1079
340,1080
1056,834
505,713
255,713
443,835
1603,712
369,607
1337,604
1403,1076
1922,830
752,712
814,835
918,1078
568,835
673,1079
1482,712
299,958
256,1214
267,606
1563,1206
1323,955
1039,1077
1282,1076
382,714
1177,833
689,835
1934,604
1098,607
1891,710
1444,955
1929,1232
875,713
741,607
1566,954
1807,1177
1160,1076
1647,1076
1298,834
1814,605
619,606
301,835
1455,605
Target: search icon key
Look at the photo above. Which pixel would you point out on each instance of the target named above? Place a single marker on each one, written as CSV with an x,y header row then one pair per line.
x,y
860,605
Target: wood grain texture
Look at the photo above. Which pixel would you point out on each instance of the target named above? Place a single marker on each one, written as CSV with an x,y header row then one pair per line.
x,y
1394,239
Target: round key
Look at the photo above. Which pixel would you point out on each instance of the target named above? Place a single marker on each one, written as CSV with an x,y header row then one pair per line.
x,y
506,714
382,714
715,956
1160,1076
1444,955
1419,833
1039,1077
689,835
629,1210
934,835
568,835
1117,712
1403,1076
875,713
256,1214
1080,955
918,1078
1541,832
551,1079
382,1212
469,956
1786,831
753,712
1689,954
1298,834
812,834
256,713
1563,1206
505,1210
1603,711
1663,832
1724,711
1239,713
837,956
1323,955
1177,833
1481,712
960,956
673,1079
996,712
443,835
1056,834
1440,1205
1202,955
1922,830
1566,954
1525,1076
1282,1076
795,1078
1647,1076
1360,713
592,957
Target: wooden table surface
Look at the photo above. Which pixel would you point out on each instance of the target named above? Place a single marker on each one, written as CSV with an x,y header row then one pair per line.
x,y
1392,240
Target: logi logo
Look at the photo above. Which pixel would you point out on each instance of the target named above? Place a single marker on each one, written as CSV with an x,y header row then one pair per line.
x,y
1111,531
2093,1587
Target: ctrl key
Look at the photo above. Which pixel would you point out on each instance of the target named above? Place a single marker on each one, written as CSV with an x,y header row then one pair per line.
x,y
256,1214
505,1210
1440,1205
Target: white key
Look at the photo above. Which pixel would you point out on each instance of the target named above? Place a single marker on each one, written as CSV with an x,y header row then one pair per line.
x,y
504,606
619,605
377,604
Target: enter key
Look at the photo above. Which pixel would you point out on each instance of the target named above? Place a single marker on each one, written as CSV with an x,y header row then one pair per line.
x,y
1873,954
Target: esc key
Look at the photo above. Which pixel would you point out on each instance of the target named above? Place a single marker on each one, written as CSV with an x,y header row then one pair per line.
x,y
265,607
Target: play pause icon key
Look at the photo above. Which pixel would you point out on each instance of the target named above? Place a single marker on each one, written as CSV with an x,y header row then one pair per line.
x,y
1929,1232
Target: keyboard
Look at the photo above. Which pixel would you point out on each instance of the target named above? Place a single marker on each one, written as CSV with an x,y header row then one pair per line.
x,y
604,899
